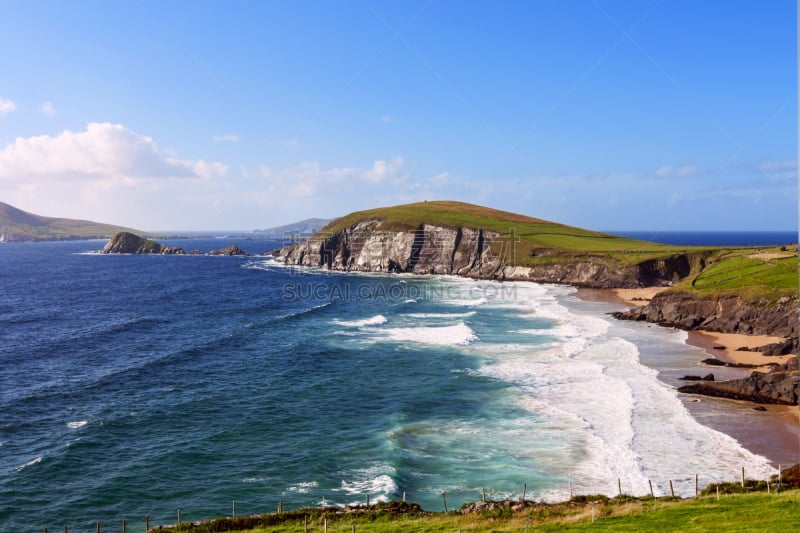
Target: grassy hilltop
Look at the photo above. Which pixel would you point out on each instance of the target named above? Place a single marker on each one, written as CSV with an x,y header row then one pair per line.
x,y
21,226
753,272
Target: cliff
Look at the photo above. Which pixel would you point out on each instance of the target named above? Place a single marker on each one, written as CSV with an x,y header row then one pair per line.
x,y
726,314
366,246
128,243
781,385
728,290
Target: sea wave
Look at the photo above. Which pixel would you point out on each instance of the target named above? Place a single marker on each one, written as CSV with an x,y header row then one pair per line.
x,y
456,335
29,463
376,320
77,424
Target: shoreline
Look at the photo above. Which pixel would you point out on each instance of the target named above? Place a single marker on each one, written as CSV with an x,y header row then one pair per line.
x,y
774,434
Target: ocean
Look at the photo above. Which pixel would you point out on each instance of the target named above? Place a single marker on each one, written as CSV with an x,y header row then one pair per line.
x,y
131,386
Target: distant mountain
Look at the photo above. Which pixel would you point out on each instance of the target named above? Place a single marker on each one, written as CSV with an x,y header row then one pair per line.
x,y
305,228
17,225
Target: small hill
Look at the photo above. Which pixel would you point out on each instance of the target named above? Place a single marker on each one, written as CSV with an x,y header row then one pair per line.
x,y
127,243
305,227
535,240
17,225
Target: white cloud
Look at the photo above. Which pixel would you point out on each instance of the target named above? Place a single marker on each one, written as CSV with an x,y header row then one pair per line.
x,y
47,109
290,143
779,171
382,171
6,106
386,119
103,152
669,171
230,138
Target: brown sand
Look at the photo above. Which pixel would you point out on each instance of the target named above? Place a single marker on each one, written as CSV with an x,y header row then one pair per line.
x,y
637,297
731,343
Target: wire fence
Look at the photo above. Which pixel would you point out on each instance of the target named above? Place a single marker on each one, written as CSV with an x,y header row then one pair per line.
x,y
687,487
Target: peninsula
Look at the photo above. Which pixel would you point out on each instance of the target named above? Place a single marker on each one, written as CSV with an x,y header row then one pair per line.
x,y
726,290
17,225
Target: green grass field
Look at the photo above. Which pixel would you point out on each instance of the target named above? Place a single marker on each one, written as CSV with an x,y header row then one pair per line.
x,y
732,512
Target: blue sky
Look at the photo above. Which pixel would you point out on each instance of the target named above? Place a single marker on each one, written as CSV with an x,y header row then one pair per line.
x,y
651,115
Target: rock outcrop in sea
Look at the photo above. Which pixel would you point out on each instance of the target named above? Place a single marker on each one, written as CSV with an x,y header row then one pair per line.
x,y
128,243
231,250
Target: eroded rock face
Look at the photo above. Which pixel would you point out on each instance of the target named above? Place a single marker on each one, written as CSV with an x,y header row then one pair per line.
x,y
128,243
464,251
364,247
781,385
728,315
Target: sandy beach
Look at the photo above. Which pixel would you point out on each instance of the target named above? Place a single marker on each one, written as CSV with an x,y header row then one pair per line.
x,y
637,297
775,433
727,347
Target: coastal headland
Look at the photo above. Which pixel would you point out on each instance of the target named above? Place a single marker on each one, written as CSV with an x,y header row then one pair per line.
x,y
751,293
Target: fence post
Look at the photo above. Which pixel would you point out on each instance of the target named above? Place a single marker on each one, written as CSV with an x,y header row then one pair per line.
x,y
280,506
524,491
780,476
444,500
619,486
651,489
124,526
695,486
367,503
305,523
742,477
483,494
325,525
179,517
404,496
233,509
323,502
570,489
671,490
97,526
147,524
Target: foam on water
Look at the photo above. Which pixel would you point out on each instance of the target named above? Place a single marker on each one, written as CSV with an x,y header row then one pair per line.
x,y
594,390
32,462
440,315
77,424
376,481
456,335
304,487
376,320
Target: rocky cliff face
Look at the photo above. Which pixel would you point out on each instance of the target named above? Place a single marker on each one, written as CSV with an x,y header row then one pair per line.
x,y
128,243
464,251
725,314
779,386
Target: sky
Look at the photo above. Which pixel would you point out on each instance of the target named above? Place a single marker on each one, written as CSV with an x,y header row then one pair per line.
x,y
665,115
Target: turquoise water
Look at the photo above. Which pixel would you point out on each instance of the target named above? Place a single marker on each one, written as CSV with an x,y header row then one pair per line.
x,y
135,385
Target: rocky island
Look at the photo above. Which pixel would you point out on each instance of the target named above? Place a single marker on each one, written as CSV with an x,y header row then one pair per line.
x,y
129,243
730,290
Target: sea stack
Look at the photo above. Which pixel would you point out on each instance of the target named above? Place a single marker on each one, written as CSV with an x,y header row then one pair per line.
x,y
128,243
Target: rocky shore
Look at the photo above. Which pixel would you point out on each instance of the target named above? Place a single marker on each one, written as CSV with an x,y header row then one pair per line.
x,y
780,385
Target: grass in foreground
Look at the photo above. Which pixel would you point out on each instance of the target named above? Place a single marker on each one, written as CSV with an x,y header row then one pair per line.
x,y
732,512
